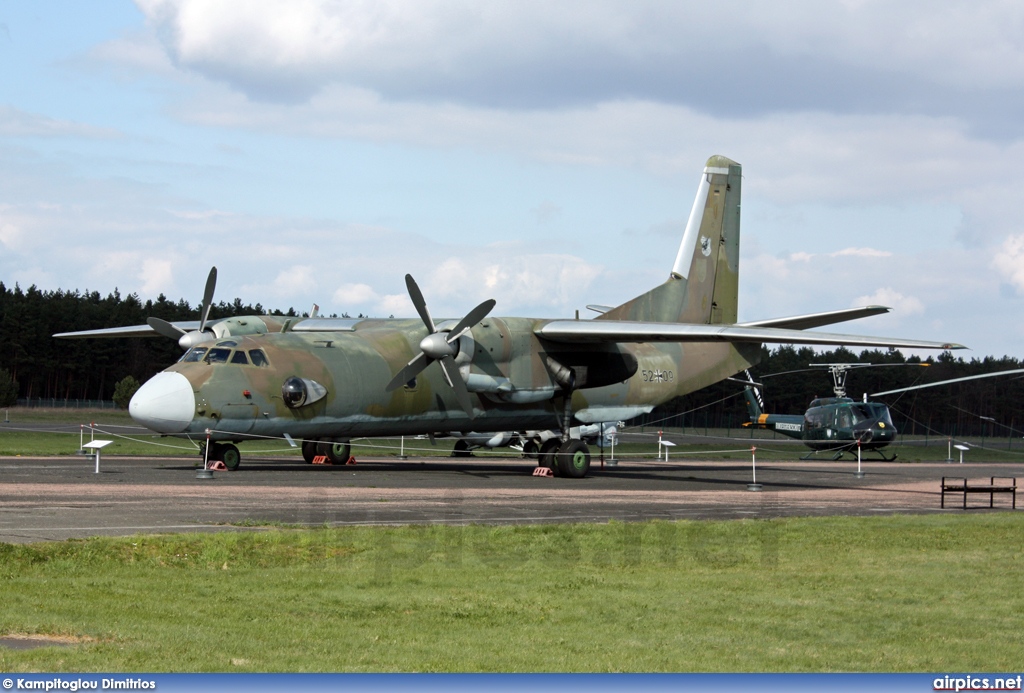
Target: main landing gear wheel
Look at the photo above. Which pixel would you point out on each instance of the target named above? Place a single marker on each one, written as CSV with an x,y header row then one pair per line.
x,y
573,459
226,453
308,450
548,448
336,452
230,456
461,449
530,450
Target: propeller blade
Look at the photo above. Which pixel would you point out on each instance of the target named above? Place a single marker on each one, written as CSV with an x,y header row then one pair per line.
x,y
411,370
451,371
472,318
165,328
417,301
211,284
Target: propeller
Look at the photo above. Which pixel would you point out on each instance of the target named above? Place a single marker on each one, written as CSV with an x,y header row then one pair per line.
x,y
187,340
440,346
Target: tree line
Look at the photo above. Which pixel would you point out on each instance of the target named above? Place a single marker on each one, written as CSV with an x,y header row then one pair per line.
x,y
66,369
35,365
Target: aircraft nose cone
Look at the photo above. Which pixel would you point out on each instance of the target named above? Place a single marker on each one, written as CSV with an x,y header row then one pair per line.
x,y
165,403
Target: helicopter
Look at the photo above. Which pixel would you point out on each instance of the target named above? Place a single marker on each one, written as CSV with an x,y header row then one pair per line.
x,y
836,424
840,424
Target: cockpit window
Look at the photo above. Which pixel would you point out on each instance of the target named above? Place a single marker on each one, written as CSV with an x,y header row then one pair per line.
x,y
239,358
194,354
218,355
258,357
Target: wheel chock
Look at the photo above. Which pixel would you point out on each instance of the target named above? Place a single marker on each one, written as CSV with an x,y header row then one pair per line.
x,y
217,466
350,460
543,471
320,459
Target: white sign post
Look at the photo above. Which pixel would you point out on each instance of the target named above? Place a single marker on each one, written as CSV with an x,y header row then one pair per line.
x,y
667,444
753,466
97,445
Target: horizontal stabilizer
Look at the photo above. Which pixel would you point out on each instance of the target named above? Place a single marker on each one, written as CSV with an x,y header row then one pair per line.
x,y
806,322
597,331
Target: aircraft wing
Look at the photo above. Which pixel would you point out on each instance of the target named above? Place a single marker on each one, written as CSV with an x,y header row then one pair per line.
x,y
595,331
804,322
128,331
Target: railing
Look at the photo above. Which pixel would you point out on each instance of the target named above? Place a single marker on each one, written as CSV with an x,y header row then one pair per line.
x,y
54,403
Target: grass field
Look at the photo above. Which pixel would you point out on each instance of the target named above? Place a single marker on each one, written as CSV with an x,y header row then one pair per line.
x,y
729,444
911,593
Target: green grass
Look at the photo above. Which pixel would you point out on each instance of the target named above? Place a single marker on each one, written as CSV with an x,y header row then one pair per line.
x,y
734,445
921,593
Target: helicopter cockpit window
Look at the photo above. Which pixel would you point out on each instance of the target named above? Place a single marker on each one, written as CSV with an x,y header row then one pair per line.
x,y
862,412
239,358
875,410
193,354
218,355
258,357
845,418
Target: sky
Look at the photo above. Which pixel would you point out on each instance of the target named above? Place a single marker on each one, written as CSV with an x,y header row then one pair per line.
x,y
542,154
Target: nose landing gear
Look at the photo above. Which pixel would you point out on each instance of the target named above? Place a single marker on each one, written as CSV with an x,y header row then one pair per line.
x,y
222,452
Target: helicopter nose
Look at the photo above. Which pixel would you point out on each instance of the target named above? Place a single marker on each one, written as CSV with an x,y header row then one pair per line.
x,y
165,403
864,435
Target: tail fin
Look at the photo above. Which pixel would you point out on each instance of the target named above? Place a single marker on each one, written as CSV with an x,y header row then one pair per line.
x,y
752,393
704,284
754,406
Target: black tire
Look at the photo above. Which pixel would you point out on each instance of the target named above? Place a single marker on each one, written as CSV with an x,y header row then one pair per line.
x,y
337,452
530,450
308,450
573,459
230,456
548,448
461,449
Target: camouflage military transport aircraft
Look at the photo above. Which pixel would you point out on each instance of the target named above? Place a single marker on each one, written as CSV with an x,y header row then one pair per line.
x,y
328,380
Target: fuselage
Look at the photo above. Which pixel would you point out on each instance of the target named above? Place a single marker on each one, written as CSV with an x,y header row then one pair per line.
x,y
235,388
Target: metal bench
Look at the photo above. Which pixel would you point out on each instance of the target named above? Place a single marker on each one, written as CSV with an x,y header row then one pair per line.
x,y
958,484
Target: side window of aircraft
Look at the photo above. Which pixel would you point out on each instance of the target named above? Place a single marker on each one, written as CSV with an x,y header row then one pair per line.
x,y
844,418
239,358
258,357
194,354
218,355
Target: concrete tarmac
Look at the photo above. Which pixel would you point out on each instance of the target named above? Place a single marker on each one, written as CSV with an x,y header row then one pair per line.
x,y
57,498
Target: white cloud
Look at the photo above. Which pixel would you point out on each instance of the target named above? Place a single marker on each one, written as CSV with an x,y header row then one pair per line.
x,y
157,276
1009,261
18,123
861,252
300,46
355,294
525,279
902,306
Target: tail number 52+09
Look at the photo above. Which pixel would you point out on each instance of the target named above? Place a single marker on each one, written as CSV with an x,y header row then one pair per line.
x,y
657,376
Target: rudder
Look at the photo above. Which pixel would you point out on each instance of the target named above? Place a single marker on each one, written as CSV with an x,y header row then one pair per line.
x,y
704,284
